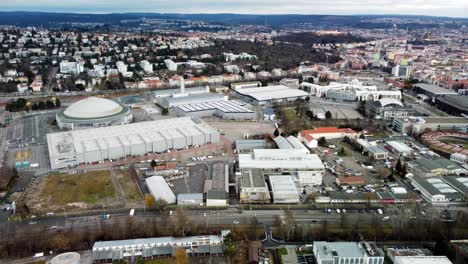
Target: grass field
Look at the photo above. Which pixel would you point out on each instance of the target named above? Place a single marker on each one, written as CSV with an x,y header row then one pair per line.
x,y
88,187
128,185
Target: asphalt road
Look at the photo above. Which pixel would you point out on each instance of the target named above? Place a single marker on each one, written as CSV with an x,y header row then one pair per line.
x,y
210,218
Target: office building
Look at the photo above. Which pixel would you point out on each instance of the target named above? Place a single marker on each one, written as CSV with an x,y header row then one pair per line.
x,y
419,125
387,109
352,91
149,248
347,253
70,67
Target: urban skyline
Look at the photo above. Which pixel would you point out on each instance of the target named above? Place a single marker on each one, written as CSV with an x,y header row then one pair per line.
x,y
450,8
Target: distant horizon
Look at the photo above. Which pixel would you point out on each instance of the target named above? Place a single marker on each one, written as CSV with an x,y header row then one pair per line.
x,y
435,8
227,13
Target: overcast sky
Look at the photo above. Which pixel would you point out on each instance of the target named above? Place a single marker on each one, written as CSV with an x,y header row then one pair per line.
x,y
454,8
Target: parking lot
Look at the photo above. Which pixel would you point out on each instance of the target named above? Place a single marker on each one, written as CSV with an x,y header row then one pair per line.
x,y
237,130
337,112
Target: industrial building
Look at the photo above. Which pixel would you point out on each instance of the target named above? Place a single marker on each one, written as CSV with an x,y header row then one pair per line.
x,y
266,95
149,248
217,198
371,149
190,199
188,91
387,109
421,124
218,179
243,145
399,148
159,188
307,168
432,90
224,109
93,112
393,252
347,252
327,133
244,85
290,142
440,191
253,188
71,148
422,260
456,104
352,91
435,167
283,189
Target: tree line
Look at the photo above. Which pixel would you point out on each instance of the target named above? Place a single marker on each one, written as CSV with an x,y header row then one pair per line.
x,y
22,104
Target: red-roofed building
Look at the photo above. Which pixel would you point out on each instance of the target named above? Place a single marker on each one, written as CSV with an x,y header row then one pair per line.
x,y
350,181
310,136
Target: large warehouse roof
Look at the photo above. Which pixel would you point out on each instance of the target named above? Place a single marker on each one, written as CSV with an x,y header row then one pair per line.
x,y
231,106
271,92
93,107
422,260
436,90
98,144
280,158
159,189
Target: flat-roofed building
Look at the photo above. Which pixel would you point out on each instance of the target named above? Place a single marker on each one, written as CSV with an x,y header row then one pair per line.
x,y
456,105
421,124
294,162
224,109
266,95
216,198
435,167
149,248
283,189
243,145
422,260
159,188
290,142
438,191
190,199
400,148
309,135
253,188
432,90
71,148
347,252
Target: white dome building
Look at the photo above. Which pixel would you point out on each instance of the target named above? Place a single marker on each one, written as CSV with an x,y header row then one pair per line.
x,y
93,112
66,258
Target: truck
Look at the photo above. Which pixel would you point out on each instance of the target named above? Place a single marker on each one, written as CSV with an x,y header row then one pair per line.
x,y
132,212
38,255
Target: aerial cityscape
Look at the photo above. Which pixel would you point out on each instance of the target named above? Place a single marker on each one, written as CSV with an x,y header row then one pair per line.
x,y
225,132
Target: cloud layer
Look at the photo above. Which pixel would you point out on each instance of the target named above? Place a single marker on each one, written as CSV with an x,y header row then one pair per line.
x,y
454,8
